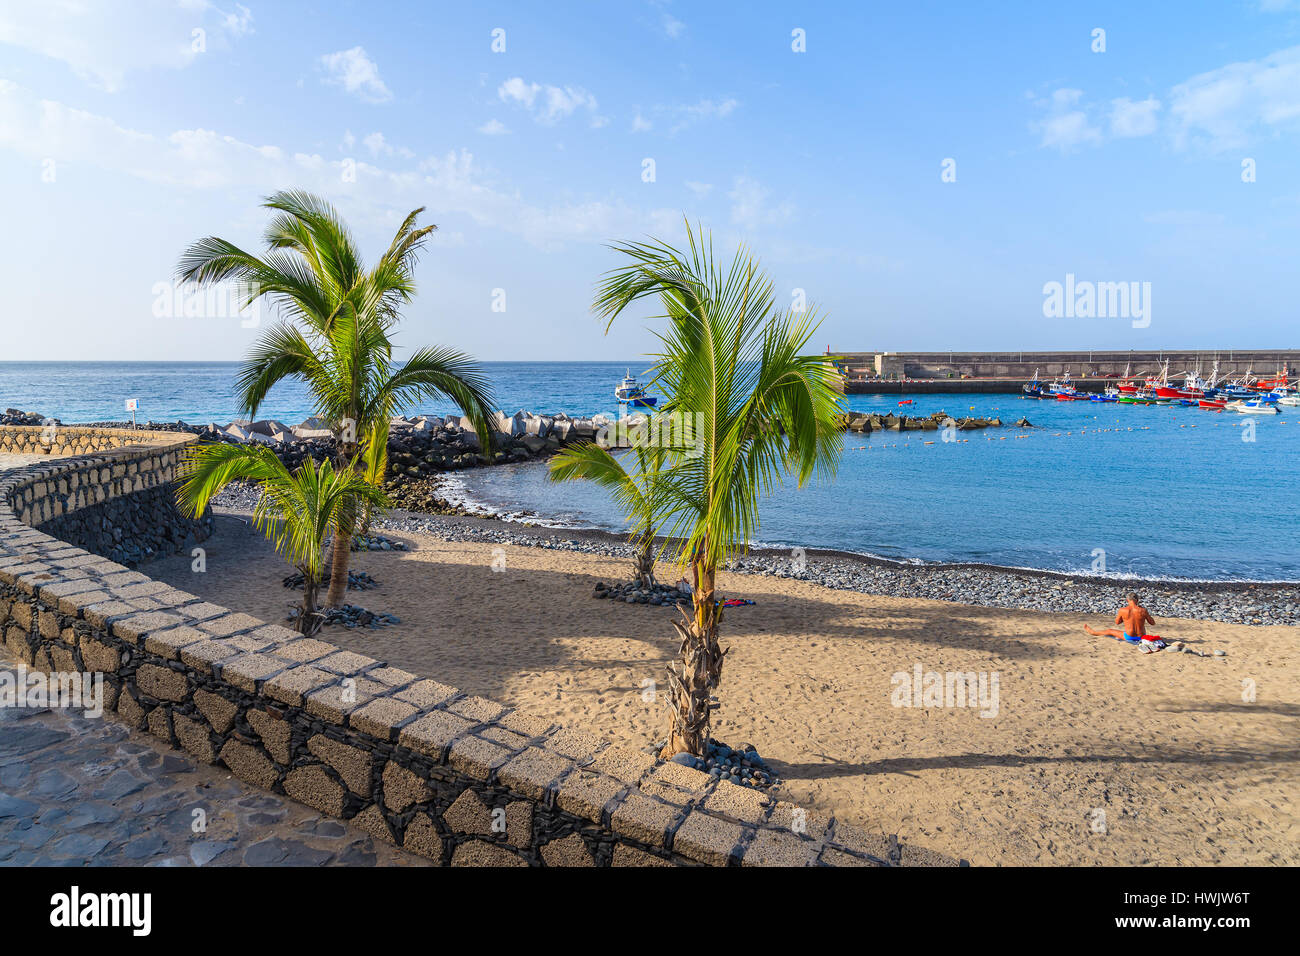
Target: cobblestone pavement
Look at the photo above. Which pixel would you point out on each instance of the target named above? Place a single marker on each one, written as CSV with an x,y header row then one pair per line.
x,y
81,791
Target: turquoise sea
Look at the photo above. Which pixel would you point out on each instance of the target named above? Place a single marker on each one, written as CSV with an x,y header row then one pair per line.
x,y
1126,490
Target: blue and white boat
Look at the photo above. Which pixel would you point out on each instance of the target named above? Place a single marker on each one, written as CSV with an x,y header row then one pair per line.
x,y
629,392
1254,406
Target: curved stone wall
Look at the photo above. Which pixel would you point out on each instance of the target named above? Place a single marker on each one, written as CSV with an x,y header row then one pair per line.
x,y
115,500
445,774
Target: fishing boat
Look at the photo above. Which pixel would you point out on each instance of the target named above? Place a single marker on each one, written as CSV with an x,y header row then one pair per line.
x,y
1063,390
1268,384
630,392
1167,390
1109,394
1127,385
1033,388
1292,400
1213,404
1252,406
1243,387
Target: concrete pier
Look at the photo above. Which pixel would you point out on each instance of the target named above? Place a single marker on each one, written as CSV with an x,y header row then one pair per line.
x,y
930,372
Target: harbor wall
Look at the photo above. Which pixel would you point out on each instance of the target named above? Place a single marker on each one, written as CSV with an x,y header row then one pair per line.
x,y
942,366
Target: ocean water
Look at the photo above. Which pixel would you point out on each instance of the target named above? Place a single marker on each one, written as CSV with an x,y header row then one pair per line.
x,y
1147,491
202,392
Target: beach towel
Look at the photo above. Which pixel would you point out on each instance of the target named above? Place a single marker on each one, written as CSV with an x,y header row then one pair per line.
x,y
736,602
1147,643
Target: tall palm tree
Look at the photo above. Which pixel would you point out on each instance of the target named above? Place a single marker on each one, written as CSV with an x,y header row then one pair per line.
x,y
335,334
296,511
635,492
764,410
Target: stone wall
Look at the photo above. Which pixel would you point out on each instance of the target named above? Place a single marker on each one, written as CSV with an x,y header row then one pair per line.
x,y
1082,363
451,776
118,501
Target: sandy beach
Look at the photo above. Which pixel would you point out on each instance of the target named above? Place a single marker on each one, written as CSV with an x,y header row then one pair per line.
x,y
1096,754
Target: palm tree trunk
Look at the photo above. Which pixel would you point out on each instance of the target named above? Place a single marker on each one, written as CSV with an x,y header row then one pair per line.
x,y
309,623
339,557
693,678
342,551
643,562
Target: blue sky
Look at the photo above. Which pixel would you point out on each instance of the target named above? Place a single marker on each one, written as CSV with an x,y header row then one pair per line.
x,y
120,143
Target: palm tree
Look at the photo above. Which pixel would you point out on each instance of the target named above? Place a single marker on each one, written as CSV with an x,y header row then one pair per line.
x,y
336,335
635,493
763,409
295,511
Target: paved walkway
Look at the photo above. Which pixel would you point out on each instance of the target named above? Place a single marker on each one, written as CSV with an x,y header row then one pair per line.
x,y
8,461
80,791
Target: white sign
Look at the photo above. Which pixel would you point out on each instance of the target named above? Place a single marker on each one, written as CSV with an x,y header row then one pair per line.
x,y
132,404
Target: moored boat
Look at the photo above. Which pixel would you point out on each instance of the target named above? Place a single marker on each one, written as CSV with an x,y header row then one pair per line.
x,y
630,392
1252,406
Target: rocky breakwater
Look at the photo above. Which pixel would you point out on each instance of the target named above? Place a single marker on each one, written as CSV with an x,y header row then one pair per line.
x,y
867,422
16,416
422,447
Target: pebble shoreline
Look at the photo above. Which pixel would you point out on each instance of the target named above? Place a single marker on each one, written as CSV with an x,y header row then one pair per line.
x,y
1225,601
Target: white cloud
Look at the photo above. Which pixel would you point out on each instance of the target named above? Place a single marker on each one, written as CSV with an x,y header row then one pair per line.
x,y
700,189
1221,109
672,26
1066,127
357,74
102,43
520,92
1130,119
493,127
379,146
703,110
239,22
1233,105
749,206
548,104
201,159
640,124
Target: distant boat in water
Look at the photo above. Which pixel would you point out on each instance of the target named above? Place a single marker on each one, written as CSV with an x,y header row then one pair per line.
x,y
631,393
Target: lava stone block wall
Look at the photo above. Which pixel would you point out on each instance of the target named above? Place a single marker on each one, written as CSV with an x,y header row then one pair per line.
x,y
118,502
72,439
457,778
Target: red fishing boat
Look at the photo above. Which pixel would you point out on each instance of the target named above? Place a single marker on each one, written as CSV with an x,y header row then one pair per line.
x,y
1127,385
1268,384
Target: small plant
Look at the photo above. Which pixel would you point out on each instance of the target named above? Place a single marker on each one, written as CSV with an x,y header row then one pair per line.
x,y
296,511
634,492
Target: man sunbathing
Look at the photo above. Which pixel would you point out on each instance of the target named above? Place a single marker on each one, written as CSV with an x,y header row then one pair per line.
x,y
1133,617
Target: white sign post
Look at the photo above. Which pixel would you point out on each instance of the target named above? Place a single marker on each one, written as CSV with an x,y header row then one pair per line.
x,y
131,405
